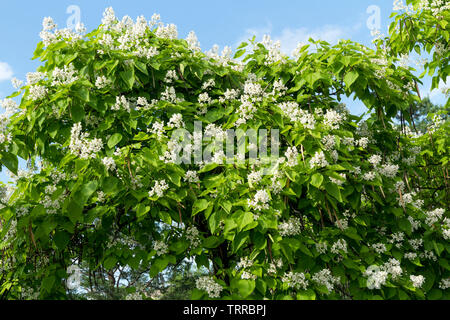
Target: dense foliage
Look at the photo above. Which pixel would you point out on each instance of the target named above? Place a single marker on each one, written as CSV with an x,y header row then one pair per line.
x,y
354,208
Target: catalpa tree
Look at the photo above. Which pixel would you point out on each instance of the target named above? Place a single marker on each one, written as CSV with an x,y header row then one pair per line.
x,y
144,152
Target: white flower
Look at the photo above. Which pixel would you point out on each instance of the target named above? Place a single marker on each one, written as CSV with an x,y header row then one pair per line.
x,y
363,142
434,216
169,31
321,247
319,160
329,142
295,280
176,121
338,246
210,286
64,76
81,146
37,92
160,247
193,235
291,156
417,281
16,83
193,43
191,176
260,201
171,76
158,129
102,82
375,277
245,263
158,189
375,160
325,278
292,227
254,177
109,163
389,170
122,103
332,119
369,176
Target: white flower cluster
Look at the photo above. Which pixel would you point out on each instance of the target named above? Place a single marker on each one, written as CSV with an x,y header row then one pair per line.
x,y
193,43
379,247
210,286
158,129
254,177
168,31
11,108
229,94
292,227
397,239
81,146
260,201
339,182
274,267
37,92
158,189
109,163
329,141
292,111
291,156
434,216
160,247
326,278
319,160
191,176
332,119
274,53
50,34
64,76
444,284
49,202
102,82
121,103
338,246
245,263
388,170
295,280
321,247
417,281
176,121
377,276
193,235
171,76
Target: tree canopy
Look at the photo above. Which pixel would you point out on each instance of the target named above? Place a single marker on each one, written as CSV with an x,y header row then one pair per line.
x,y
353,208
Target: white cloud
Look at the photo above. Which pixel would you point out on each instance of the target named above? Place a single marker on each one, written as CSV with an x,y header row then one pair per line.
x,y
290,38
6,71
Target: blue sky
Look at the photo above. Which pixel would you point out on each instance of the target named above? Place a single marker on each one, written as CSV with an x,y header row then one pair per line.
x,y
215,22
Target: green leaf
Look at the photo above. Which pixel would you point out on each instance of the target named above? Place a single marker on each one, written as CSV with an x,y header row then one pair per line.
x,y
239,53
114,140
316,180
128,77
10,161
199,206
212,242
245,287
77,113
306,295
82,93
110,263
333,190
350,78
61,239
